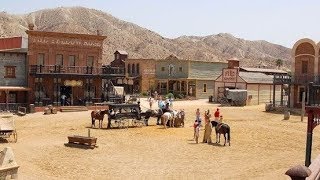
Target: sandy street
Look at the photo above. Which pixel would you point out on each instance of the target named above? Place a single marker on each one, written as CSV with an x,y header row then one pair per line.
x,y
263,146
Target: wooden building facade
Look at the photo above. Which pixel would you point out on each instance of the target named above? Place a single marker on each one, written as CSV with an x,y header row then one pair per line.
x,y
259,85
191,78
13,73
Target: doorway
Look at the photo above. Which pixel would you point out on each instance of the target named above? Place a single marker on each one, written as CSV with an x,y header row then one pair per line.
x,y
67,91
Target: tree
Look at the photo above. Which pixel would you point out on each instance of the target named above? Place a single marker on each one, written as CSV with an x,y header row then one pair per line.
x,y
279,63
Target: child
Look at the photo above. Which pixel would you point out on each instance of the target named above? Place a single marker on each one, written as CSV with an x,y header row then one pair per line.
x,y
198,117
196,131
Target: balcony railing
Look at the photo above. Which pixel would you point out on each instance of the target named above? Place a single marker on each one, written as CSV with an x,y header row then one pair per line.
x,y
79,70
296,79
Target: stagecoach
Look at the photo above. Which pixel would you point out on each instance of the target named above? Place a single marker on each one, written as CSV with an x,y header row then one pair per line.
x,y
124,115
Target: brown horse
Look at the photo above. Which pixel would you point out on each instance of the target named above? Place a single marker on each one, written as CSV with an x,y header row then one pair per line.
x,y
179,121
221,128
97,115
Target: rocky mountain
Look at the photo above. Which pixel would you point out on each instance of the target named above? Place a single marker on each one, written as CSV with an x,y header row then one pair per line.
x,y
143,43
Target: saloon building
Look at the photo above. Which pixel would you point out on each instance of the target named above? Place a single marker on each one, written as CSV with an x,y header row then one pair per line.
x,y
258,83
65,65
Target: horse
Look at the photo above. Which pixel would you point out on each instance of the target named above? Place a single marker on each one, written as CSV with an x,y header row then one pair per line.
x,y
153,113
168,116
221,128
97,115
179,120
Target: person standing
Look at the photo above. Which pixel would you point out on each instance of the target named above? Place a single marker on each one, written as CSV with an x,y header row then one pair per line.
x,y
207,128
150,102
217,115
196,131
63,99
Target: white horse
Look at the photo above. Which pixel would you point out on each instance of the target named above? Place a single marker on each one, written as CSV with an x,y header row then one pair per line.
x,y
169,116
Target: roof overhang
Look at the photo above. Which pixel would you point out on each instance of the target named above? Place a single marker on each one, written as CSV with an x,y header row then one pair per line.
x,y
14,88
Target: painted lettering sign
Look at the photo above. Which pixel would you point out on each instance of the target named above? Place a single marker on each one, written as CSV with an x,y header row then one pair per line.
x,y
149,71
70,42
73,83
229,75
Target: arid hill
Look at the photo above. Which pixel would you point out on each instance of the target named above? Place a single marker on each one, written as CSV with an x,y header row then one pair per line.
x,y
143,43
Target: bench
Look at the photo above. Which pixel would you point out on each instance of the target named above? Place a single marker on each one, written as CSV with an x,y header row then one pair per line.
x,y
82,140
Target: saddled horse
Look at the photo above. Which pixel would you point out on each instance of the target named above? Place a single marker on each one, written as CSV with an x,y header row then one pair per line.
x,y
98,115
169,116
153,113
221,128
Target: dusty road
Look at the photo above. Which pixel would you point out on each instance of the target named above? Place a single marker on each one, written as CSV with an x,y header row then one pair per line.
x,y
263,146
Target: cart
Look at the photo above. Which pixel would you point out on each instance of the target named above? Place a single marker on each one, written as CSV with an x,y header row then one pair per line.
x,y
8,130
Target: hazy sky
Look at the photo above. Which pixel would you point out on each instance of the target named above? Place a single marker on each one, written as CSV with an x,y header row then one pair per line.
x,y
277,21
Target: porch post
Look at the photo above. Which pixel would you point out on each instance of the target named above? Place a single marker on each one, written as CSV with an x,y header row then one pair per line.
x,y
167,86
180,87
274,95
187,90
7,100
55,92
281,102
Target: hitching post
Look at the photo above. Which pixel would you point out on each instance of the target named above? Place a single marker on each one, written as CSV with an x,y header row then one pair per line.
x,y
88,132
309,138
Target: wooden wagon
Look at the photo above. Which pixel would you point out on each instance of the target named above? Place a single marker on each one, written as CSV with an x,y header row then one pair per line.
x,y
8,130
120,114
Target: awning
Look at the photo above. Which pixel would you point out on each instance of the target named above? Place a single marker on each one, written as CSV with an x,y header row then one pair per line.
x,y
14,88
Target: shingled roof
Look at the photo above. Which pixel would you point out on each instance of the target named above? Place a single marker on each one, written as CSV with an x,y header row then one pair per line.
x,y
256,77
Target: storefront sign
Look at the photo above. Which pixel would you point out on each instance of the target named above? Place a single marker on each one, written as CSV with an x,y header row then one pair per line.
x,y
149,71
229,75
73,83
66,41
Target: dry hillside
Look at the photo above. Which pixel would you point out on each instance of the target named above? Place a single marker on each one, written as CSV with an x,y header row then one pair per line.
x,y
143,43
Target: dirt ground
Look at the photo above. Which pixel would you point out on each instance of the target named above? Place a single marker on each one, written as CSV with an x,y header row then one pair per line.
x,y
263,146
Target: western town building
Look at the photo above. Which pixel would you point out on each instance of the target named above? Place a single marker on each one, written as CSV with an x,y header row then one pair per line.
x,y
65,65
257,81
140,75
172,75
305,69
13,74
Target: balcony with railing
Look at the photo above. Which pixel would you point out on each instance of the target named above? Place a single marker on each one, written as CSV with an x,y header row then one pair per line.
x,y
296,79
76,70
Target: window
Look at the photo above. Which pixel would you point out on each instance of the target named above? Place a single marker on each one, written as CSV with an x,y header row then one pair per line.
x,y
72,60
59,59
163,69
204,87
129,68
40,60
10,72
304,67
138,68
133,69
90,61
12,97
180,69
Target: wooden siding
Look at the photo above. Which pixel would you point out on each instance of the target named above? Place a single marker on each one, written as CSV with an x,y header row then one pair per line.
x,y
205,70
262,93
13,59
176,65
210,89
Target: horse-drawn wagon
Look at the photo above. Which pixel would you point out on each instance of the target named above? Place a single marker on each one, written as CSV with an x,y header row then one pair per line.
x,y
120,114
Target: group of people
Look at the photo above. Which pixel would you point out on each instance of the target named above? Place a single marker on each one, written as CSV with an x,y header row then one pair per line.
x,y
208,126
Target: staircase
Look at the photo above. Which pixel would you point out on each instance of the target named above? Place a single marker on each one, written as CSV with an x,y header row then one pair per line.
x,y
73,108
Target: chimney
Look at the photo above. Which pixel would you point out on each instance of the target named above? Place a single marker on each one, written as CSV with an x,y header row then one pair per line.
x,y
233,63
31,26
98,32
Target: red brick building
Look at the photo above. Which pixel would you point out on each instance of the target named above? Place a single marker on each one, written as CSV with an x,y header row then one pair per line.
x,y
65,65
